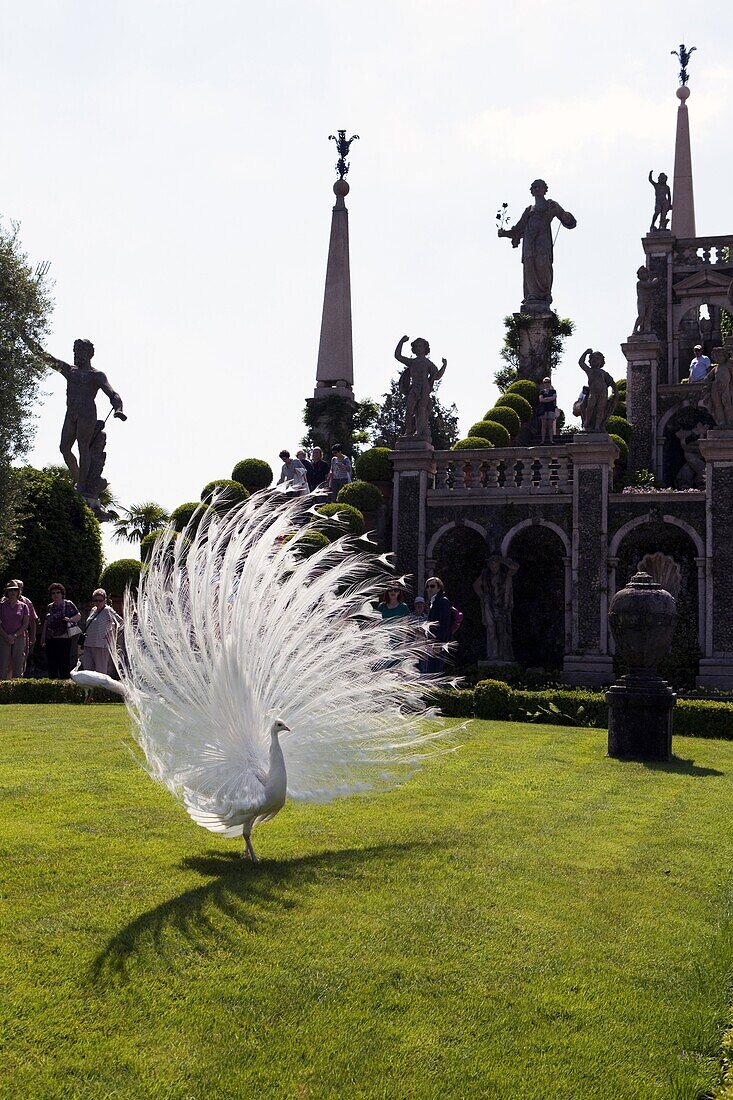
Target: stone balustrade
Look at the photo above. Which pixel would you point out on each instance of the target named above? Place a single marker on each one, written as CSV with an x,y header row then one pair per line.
x,y
520,471
699,251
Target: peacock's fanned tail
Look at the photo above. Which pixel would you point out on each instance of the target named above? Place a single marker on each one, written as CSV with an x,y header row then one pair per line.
x,y
234,625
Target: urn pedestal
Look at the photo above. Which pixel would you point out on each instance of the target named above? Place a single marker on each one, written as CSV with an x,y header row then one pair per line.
x,y
642,617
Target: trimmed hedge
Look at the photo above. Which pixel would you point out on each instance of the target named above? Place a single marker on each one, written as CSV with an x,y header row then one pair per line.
x,y
184,513
52,691
472,443
522,408
493,431
617,425
494,699
374,465
505,416
147,544
253,473
118,574
527,389
622,446
309,543
360,494
351,518
229,492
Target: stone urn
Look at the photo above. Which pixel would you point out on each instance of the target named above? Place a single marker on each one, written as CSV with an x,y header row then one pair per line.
x,y
642,617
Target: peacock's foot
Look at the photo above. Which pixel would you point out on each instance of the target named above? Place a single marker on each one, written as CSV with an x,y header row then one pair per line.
x,y
249,852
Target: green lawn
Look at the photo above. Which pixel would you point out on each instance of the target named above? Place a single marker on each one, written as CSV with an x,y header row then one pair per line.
x,y
525,918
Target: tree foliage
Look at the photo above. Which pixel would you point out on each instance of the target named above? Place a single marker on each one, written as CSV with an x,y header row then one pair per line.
x,y
335,419
25,308
58,537
562,327
389,422
137,521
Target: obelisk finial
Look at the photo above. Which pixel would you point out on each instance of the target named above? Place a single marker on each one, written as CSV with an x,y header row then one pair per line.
x,y
343,151
684,56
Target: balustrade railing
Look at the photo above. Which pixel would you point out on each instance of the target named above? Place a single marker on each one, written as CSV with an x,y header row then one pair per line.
x,y
514,470
699,251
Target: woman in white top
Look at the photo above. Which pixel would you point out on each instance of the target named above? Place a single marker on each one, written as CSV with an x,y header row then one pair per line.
x,y
101,632
340,474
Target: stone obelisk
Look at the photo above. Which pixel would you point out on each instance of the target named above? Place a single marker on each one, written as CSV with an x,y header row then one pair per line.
x,y
683,199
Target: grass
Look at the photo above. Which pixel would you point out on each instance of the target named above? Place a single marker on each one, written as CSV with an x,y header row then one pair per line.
x,y
525,918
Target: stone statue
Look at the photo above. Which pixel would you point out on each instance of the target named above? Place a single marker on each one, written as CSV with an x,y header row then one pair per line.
x,y
662,202
644,300
599,406
81,425
534,229
718,395
416,383
494,588
692,473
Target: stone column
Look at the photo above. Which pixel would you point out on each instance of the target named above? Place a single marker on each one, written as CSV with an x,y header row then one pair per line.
x,y
716,665
535,334
589,661
414,470
642,356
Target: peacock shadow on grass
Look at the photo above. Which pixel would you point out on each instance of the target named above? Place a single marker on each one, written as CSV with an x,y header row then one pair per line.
x,y
249,897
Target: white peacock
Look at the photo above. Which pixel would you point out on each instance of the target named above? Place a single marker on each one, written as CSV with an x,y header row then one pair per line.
x,y
238,638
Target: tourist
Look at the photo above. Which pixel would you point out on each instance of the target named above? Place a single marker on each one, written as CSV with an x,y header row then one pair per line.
x,y
699,366
392,604
319,469
303,460
340,474
14,619
100,634
293,472
59,628
547,410
32,623
439,620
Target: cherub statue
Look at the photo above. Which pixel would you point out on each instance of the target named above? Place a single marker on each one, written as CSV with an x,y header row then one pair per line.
x,y
416,382
718,397
692,473
644,287
599,406
662,201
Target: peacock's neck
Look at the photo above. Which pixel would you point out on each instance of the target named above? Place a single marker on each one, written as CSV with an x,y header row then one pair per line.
x,y
277,778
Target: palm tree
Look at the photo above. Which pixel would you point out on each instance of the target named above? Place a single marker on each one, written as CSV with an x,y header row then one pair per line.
x,y
137,521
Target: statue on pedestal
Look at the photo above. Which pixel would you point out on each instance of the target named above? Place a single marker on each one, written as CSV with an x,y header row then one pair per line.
x,y
662,202
599,405
692,473
494,588
718,397
81,426
644,288
534,230
416,383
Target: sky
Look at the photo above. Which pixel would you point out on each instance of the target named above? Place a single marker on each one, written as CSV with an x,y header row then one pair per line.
x,y
170,160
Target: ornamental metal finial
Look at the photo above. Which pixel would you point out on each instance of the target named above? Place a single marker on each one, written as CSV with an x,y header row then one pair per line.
x,y
684,59
343,151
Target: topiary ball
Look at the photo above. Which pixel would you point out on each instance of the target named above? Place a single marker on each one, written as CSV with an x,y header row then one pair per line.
x,y
182,515
147,544
227,491
309,543
621,410
253,473
621,444
360,494
492,699
618,426
522,407
350,520
621,385
472,443
505,416
493,431
374,465
118,574
527,389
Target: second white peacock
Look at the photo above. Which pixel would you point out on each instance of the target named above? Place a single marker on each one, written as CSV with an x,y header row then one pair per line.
x,y
257,668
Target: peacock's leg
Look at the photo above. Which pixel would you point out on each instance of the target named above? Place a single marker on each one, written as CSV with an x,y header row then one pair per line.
x,y
249,852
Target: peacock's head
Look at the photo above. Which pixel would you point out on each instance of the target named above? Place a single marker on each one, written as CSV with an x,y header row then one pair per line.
x,y
278,726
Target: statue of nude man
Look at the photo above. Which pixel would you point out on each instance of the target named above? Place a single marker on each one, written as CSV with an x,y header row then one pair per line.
x,y
416,382
83,382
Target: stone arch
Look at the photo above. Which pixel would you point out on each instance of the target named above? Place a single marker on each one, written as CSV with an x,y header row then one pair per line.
x,y
649,534
457,554
691,328
535,522
687,418
542,601
435,539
